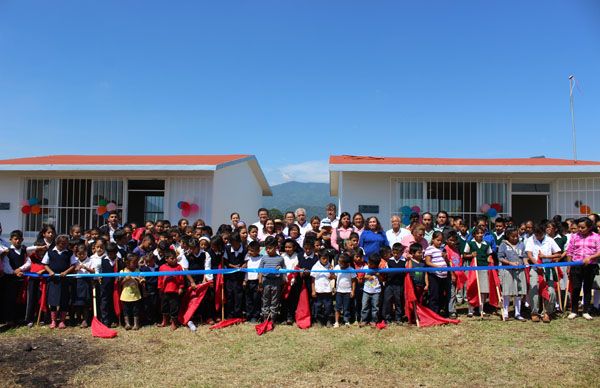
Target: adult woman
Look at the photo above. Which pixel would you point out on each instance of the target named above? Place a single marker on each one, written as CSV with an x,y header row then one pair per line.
x,y
342,232
372,238
294,234
235,218
267,230
358,222
417,236
584,247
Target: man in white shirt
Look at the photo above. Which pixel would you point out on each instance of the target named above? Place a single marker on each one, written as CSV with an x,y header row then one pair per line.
x,y
263,216
301,221
396,234
331,215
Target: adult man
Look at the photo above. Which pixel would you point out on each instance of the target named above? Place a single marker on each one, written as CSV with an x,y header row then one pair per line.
x,y
301,220
331,210
263,216
112,225
442,224
395,234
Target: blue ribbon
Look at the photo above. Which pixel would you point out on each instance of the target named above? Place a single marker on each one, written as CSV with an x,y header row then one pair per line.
x,y
230,271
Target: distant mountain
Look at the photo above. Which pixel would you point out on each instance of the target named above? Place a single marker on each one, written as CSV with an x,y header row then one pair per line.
x,y
292,195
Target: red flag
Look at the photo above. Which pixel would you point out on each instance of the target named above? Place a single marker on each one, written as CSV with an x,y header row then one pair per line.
x,y
262,328
287,287
461,279
137,233
101,331
303,309
227,322
543,287
117,300
494,282
191,301
560,273
381,325
219,297
44,296
409,298
429,318
472,291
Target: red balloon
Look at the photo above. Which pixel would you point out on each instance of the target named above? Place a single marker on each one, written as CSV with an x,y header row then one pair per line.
x,y
185,207
26,209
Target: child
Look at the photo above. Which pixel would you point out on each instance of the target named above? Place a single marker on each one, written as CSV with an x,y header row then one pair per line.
x,y
358,262
131,293
371,292
252,233
33,264
452,250
481,251
321,289
13,258
151,300
108,263
345,287
234,284
541,249
270,283
59,261
290,257
82,300
514,283
393,295
439,282
171,289
419,279
307,262
253,259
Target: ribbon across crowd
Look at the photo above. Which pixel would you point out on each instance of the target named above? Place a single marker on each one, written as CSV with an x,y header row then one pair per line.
x,y
336,271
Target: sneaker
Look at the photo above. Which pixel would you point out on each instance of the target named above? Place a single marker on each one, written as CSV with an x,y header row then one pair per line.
x,y
62,325
572,316
470,315
347,324
453,315
328,324
505,318
192,327
520,318
587,316
336,325
30,325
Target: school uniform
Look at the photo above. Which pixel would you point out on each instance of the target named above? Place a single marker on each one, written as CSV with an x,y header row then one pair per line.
x,y
13,286
514,282
393,294
418,279
82,295
291,303
234,283
32,264
547,246
107,286
370,299
151,302
271,283
253,296
131,295
343,293
356,304
483,252
455,294
170,287
58,288
323,303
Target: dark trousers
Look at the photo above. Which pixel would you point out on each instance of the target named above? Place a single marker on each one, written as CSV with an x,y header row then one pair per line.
x,y
393,300
323,305
33,297
234,294
131,309
356,304
170,304
107,309
11,289
151,307
252,300
291,303
342,305
439,293
582,276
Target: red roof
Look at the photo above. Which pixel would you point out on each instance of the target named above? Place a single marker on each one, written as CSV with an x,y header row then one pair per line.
x,y
353,159
211,160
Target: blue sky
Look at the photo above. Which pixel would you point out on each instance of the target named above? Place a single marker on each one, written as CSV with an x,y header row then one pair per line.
x,y
296,81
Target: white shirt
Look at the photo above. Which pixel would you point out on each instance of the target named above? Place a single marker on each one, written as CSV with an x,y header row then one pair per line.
x,y
183,261
546,247
291,262
343,283
96,262
252,262
46,259
334,223
88,262
6,262
207,263
372,286
322,284
304,228
394,237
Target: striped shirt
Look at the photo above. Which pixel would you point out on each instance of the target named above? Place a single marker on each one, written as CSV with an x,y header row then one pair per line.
x,y
436,259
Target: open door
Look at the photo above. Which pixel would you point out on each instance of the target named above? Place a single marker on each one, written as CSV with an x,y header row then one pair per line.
x,y
529,207
145,200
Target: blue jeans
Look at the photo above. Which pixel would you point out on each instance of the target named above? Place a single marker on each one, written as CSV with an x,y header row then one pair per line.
x,y
323,306
370,307
342,304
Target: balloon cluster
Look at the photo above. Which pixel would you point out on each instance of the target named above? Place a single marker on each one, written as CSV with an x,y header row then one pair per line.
x,y
105,207
188,209
407,211
30,206
491,210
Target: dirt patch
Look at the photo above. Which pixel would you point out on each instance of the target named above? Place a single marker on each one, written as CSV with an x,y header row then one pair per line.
x,y
43,360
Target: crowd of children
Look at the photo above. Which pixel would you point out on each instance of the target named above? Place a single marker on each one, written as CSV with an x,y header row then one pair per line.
x,y
313,247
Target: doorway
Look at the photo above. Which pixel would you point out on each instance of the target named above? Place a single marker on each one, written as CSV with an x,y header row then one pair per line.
x,y
145,200
529,207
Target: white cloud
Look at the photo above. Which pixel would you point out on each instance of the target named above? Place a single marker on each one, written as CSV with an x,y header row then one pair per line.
x,y
309,171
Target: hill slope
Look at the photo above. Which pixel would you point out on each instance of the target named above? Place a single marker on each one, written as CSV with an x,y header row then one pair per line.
x,y
292,195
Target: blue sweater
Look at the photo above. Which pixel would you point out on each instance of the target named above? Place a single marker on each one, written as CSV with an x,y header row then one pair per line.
x,y
370,242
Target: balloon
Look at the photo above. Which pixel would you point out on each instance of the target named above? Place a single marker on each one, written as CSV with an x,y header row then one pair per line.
x,y
484,208
185,212
32,201
405,210
24,202
492,212
180,204
111,206
101,210
415,209
194,208
185,206
406,220
105,215
102,202
36,209
585,209
496,206
26,209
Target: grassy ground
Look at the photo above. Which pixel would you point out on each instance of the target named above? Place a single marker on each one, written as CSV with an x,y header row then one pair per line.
x,y
473,353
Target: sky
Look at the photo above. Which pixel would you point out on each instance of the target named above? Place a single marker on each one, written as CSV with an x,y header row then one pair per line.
x,y
293,82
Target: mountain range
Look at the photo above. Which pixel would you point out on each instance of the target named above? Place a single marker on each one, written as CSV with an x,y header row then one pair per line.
x,y
292,195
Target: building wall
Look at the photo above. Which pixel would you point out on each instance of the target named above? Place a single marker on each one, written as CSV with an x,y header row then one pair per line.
x,y
192,189
10,192
366,189
235,189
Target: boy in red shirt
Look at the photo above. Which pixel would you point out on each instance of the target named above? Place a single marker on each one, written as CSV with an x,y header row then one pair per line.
x,y
170,288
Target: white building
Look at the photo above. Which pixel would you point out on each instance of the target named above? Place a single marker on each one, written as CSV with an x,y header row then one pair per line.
x,y
70,189
526,188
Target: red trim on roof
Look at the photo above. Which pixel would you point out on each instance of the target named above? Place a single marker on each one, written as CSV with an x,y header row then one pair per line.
x,y
127,159
353,159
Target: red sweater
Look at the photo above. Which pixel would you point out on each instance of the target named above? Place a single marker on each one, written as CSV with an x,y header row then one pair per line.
x,y
170,283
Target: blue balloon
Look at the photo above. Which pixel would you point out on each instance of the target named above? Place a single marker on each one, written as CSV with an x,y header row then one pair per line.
x,y
492,212
33,201
406,220
179,204
105,215
405,210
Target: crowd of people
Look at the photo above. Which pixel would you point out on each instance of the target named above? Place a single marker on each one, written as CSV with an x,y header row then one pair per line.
x,y
312,246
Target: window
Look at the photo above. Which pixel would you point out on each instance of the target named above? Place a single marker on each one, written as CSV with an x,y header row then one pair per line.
x,y
577,197
153,208
66,202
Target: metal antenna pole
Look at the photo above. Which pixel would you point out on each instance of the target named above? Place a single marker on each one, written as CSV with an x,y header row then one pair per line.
x,y
572,107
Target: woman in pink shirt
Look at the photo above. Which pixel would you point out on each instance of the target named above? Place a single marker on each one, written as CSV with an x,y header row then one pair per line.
x,y
583,247
358,222
417,236
342,232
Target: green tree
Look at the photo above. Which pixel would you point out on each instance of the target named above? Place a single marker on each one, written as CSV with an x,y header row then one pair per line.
x,y
275,214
